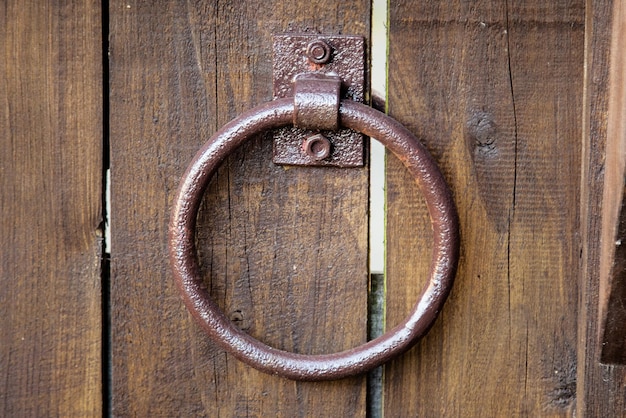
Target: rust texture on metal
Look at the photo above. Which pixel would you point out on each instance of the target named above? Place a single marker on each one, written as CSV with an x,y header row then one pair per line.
x,y
316,101
319,52
223,331
305,54
317,146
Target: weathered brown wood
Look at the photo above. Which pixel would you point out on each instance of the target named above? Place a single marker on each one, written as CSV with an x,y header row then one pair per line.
x,y
613,293
50,201
284,249
601,389
495,91
613,258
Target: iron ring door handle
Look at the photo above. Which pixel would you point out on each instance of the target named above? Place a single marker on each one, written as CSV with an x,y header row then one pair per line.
x,y
295,366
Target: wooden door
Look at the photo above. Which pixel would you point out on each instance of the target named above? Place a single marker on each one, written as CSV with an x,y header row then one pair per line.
x,y
284,250
518,335
519,103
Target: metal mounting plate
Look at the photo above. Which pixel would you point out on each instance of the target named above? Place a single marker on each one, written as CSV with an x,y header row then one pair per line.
x,y
347,60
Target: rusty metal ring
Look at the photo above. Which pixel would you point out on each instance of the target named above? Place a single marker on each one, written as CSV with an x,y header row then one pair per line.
x,y
354,361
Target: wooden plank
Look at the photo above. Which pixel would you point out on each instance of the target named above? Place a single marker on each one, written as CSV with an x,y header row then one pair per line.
x,y
613,293
613,258
50,200
601,389
284,250
494,90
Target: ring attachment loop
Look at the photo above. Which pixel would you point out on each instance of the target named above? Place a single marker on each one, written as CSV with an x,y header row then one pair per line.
x,y
316,101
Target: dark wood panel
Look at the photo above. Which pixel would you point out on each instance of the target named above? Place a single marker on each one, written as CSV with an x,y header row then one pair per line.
x,y
613,293
283,249
50,201
613,260
494,89
601,389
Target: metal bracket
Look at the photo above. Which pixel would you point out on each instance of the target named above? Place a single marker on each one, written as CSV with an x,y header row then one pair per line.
x,y
323,58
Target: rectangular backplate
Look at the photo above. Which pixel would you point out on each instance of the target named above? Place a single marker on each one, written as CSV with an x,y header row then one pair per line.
x,y
347,60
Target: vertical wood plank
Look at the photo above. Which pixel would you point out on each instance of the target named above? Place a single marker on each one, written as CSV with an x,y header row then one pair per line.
x,y
601,389
612,304
494,89
50,201
284,250
613,293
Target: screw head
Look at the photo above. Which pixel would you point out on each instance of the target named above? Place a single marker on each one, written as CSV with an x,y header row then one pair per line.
x,y
317,147
319,52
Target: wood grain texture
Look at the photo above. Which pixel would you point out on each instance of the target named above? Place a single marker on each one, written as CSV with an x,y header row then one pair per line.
x,y
601,389
613,259
494,89
50,201
613,293
283,249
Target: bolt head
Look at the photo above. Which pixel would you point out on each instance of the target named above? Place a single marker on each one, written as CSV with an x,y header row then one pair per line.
x,y
317,147
319,52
